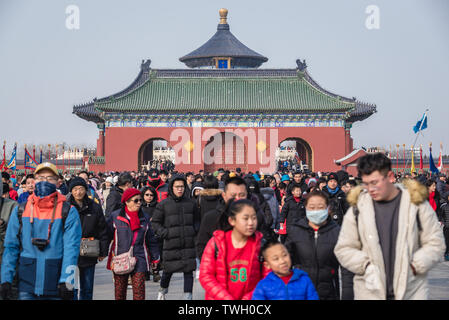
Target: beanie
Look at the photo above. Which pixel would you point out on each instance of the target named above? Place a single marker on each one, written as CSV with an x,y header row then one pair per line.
x,y
129,193
77,181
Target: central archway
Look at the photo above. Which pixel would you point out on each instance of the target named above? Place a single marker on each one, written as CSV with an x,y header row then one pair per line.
x,y
302,148
154,149
225,150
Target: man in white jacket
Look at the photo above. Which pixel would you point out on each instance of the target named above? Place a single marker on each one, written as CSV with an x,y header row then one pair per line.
x,y
390,236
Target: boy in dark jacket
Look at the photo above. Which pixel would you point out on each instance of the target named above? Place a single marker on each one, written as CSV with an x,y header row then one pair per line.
x,y
283,283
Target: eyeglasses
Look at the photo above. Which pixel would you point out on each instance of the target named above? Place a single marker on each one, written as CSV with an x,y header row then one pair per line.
x,y
49,178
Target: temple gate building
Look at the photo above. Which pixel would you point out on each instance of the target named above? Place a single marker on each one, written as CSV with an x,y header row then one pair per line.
x,y
223,111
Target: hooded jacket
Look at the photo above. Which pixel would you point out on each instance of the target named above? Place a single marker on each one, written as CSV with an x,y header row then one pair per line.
x,y
419,243
113,201
209,199
300,287
176,221
40,272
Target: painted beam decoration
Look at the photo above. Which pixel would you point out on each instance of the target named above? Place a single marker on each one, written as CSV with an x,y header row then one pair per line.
x,y
220,121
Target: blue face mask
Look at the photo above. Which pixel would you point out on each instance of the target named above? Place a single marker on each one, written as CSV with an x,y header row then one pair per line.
x,y
44,188
317,217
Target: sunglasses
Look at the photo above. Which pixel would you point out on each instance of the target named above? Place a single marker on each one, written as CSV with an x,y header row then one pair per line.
x,y
149,195
137,200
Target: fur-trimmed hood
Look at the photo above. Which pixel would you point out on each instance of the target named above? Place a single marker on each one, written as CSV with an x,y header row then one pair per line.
x,y
418,192
211,192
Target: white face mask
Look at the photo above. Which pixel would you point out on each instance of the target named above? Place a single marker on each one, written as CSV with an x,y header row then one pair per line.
x,y
317,217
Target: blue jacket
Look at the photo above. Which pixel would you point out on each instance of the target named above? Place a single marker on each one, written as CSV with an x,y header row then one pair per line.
x,y
40,272
299,287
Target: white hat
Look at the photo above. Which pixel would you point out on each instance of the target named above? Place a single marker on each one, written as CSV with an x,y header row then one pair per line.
x,y
110,180
115,179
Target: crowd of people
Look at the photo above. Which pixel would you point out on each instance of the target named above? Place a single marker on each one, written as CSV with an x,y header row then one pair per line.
x,y
288,235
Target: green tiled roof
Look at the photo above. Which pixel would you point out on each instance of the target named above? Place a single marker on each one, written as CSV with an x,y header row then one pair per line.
x,y
226,94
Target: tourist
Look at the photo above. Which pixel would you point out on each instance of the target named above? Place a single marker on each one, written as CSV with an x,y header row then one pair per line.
x,y
434,197
176,221
210,196
235,188
311,241
106,189
29,188
337,198
292,210
390,237
6,178
190,178
43,248
283,282
150,200
114,199
130,230
230,267
6,207
93,226
445,221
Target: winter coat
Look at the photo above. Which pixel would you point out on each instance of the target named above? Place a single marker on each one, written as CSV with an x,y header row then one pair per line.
x,y
300,287
445,214
145,248
93,225
292,211
337,204
40,272
314,253
214,273
270,198
113,201
209,199
176,221
358,245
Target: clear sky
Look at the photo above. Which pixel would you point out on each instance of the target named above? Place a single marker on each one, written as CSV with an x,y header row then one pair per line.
x,y
46,68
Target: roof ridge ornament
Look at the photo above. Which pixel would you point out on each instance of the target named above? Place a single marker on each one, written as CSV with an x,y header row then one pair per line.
x,y
223,15
145,65
301,65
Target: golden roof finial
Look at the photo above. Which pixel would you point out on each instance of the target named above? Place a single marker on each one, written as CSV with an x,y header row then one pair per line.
x,y
223,15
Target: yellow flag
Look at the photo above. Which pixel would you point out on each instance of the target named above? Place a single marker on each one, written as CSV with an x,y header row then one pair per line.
x,y
412,169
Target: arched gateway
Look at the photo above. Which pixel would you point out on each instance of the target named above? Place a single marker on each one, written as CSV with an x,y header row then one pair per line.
x,y
223,90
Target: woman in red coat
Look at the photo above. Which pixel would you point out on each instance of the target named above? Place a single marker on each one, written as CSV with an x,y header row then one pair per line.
x,y
230,267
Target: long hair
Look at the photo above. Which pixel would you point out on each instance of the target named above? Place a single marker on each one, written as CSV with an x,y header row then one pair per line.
x,y
233,207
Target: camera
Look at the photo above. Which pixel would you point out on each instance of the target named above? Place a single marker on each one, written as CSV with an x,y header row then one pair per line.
x,y
40,243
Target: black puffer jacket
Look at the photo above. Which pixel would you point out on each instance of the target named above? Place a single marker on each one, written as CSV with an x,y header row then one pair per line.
x,y
93,224
337,204
208,200
292,211
176,221
113,201
314,253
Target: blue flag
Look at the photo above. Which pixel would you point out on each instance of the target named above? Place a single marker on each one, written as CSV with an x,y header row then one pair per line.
x,y
421,124
432,166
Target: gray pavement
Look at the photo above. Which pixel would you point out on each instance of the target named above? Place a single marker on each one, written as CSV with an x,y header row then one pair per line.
x,y
104,287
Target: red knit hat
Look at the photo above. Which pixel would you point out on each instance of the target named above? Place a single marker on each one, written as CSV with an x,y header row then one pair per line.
x,y
129,193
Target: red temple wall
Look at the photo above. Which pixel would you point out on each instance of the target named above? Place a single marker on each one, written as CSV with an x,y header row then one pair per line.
x,y
122,145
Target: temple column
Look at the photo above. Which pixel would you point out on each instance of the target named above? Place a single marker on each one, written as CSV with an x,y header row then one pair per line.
x,y
348,139
100,140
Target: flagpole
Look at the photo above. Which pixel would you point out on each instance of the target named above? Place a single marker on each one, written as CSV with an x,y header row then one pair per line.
x,y
419,131
25,160
397,159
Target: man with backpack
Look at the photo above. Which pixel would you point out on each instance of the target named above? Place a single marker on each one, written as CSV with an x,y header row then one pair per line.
x,y
390,237
43,239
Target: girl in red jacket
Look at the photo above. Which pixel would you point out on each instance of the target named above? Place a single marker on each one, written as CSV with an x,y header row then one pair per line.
x,y
230,267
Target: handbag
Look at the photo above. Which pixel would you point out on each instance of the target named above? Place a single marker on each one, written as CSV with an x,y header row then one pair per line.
x,y
124,263
90,247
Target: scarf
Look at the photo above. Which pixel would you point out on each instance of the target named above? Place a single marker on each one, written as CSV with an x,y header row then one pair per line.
x,y
297,199
133,219
432,201
333,191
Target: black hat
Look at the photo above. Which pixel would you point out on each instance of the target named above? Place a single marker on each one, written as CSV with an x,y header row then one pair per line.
x,y
331,176
153,174
77,181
